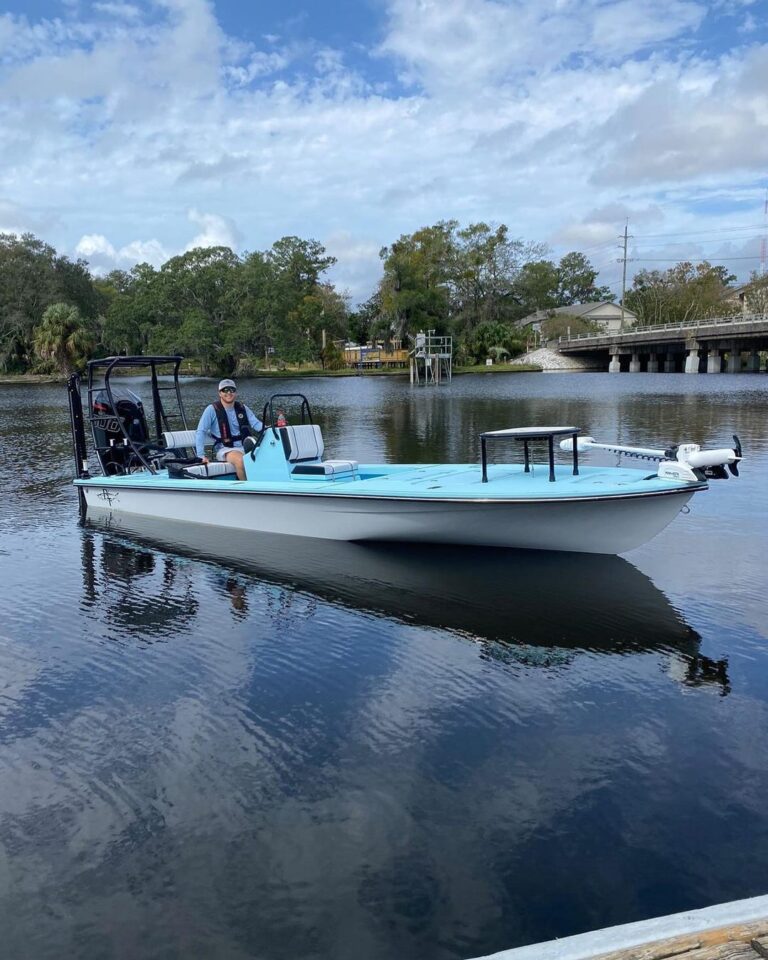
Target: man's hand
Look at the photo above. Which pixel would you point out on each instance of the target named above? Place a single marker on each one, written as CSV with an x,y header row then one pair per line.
x,y
204,459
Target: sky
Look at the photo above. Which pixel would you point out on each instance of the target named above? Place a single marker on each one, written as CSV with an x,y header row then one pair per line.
x,y
133,131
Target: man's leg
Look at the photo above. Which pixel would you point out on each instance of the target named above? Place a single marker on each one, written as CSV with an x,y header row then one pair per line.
x,y
235,457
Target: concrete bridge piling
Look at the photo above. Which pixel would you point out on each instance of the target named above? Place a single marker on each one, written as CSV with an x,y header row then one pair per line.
x,y
715,345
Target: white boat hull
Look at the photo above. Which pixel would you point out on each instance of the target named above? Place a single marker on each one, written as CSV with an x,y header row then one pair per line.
x,y
608,525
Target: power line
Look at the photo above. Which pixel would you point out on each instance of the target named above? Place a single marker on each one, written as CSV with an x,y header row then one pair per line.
x,y
695,233
668,259
751,236
598,246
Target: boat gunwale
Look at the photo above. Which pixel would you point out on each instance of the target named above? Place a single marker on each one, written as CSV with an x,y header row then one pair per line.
x,y
230,489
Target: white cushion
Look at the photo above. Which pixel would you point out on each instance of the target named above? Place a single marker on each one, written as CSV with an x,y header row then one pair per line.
x,y
174,439
328,468
210,469
303,442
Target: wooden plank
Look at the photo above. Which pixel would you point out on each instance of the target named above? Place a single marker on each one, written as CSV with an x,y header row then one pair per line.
x,y
724,951
701,946
760,945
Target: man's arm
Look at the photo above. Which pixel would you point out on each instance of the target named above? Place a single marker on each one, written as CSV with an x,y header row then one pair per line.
x,y
253,420
207,420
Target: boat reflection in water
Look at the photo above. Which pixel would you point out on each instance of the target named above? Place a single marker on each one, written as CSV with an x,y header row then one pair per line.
x,y
526,607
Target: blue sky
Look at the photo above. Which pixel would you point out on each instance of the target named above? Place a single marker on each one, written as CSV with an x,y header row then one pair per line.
x,y
135,130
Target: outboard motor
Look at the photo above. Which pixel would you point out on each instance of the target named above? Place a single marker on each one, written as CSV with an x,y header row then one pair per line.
x,y
108,436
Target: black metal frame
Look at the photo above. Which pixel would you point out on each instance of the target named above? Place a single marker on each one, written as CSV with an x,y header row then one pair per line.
x,y
526,436
98,381
268,413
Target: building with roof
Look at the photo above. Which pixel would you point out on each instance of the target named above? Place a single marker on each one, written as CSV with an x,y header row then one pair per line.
x,y
605,313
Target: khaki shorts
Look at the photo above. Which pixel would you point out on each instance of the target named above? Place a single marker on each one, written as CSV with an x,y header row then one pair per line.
x,y
221,453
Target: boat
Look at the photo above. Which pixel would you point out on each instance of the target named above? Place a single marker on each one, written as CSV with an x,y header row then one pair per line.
x,y
147,467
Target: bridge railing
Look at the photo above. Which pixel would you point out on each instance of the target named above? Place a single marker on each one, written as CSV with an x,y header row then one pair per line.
x,y
732,321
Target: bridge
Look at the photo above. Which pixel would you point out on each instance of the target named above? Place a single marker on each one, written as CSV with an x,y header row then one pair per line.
x,y
715,345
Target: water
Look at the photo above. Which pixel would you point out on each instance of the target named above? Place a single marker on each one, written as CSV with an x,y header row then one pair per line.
x,y
234,747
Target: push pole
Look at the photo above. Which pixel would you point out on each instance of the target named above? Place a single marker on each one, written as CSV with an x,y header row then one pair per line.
x,y
78,438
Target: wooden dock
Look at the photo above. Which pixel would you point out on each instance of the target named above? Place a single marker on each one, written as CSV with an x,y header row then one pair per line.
x,y
728,931
740,942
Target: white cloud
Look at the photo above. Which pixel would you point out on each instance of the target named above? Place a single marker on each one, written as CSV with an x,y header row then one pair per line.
x,y
450,44
708,123
95,245
103,256
626,27
216,231
358,263
549,116
17,219
125,11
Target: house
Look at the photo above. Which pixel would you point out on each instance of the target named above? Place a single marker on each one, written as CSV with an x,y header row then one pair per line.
x,y
608,315
378,354
748,298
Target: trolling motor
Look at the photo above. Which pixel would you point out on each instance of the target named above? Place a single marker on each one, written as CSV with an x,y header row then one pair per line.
x,y
684,461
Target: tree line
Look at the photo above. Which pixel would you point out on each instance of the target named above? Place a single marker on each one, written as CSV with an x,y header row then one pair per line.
x,y
267,308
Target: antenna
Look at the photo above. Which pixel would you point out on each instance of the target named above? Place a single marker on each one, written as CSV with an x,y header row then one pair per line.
x,y
764,241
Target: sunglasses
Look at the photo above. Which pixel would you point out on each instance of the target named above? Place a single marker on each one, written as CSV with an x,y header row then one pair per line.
x,y
228,390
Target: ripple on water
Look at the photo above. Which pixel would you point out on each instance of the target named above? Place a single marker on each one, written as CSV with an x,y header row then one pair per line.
x,y
325,751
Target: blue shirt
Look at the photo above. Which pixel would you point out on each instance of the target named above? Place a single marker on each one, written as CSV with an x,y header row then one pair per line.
x,y
209,427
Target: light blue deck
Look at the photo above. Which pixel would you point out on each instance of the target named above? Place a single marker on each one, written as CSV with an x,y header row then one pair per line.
x,y
430,481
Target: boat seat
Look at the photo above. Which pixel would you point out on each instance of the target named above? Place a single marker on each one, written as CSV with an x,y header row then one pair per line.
x,y
328,468
180,439
203,471
303,442
303,445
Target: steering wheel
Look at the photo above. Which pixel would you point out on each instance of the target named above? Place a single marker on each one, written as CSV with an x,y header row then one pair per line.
x,y
251,443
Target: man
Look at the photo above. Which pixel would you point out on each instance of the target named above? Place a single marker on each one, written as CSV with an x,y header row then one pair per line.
x,y
227,422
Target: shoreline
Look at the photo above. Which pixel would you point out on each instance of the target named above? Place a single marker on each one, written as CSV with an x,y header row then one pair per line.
x,y
10,379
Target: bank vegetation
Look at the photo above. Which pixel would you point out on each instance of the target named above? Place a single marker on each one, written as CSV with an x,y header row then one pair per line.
x,y
275,309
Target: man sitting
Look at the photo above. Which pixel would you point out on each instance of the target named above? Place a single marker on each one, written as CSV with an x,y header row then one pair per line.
x,y
227,422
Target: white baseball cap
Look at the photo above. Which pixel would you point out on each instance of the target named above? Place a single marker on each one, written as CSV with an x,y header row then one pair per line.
x,y
227,383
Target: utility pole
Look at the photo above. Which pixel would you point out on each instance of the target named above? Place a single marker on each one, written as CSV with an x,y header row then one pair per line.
x,y
623,260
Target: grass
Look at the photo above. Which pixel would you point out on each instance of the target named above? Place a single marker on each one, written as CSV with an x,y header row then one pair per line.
x,y
500,368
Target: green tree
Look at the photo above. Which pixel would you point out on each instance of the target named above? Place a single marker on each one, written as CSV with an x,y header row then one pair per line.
x,y
756,293
27,287
491,338
299,263
298,299
32,277
680,294
537,287
64,338
415,290
576,281
253,330
74,284
365,319
137,308
487,267
561,324
200,294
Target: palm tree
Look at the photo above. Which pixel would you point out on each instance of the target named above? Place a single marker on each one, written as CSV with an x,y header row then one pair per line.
x,y
63,337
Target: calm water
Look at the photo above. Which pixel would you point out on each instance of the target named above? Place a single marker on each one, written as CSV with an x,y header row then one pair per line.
x,y
226,747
